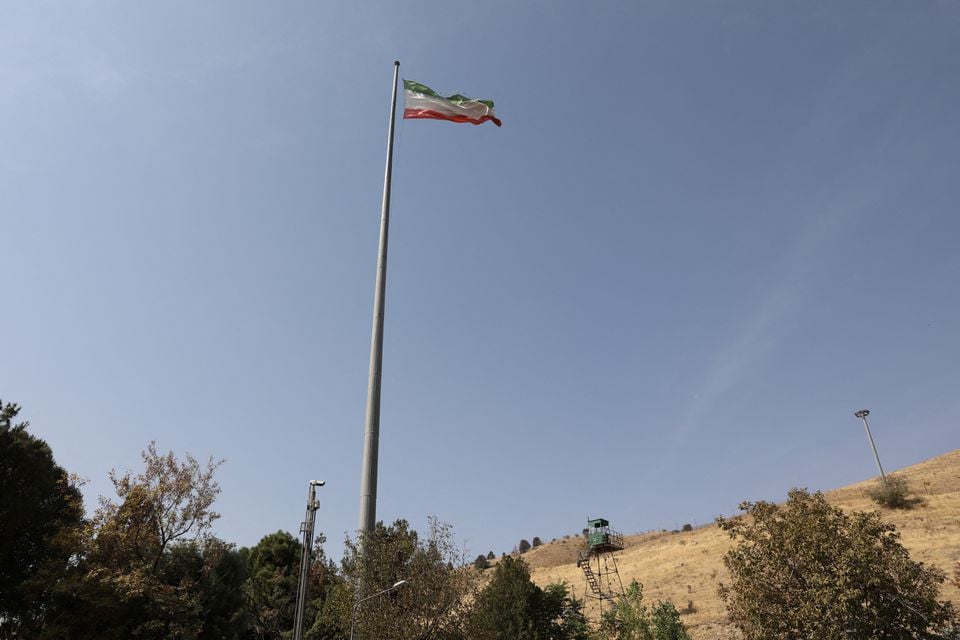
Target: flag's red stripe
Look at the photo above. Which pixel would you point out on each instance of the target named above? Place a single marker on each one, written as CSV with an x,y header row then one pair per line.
x,y
436,115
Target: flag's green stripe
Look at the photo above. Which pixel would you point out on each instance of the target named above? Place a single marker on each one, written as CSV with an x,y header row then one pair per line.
x,y
416,87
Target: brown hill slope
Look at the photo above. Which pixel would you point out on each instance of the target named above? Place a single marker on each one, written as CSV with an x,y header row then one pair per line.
x,y
688,566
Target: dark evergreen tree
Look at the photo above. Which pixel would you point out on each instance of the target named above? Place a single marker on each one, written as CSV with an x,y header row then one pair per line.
x,y
41,518
512,607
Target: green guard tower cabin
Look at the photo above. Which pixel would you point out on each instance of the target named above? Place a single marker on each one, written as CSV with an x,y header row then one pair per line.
x,y
598,562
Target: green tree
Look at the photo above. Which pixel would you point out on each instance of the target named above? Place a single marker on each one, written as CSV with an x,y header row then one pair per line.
x,y
629,619
270,590
808,570
216,571
41,516
666,622
433,601
512,607
271,587
139,572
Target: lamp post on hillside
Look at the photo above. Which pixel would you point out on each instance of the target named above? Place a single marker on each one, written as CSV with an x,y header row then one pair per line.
x,y
862,414
356,607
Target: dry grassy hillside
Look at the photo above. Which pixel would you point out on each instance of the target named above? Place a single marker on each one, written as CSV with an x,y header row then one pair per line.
x,y
686,567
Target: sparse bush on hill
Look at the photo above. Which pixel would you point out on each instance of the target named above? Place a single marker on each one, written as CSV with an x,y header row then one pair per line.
x,y
687,527
666,622
893,493
536,542
524,546
808,570
481,562
491,556
631,619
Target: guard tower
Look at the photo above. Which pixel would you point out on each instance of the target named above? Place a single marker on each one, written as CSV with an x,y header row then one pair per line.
x,y
599,563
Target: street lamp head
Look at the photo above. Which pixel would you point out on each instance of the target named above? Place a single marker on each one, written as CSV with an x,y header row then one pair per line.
x,y
863,413
317,483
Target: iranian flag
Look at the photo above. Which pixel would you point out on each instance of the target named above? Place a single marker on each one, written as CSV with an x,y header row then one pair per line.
x,y
420,101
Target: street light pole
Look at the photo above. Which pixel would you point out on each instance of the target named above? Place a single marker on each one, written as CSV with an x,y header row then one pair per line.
x,y
356,607
862,414
306,549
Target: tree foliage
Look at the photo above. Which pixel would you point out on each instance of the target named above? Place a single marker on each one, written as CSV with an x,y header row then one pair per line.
x,y
169,500
631,619
666,622
41,513
144,558
512,607
808,570
433,601
893,492
271,587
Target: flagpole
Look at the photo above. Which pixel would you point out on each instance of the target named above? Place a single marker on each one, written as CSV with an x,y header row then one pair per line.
x,y
371,434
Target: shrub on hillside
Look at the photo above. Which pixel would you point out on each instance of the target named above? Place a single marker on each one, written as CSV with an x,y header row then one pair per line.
x,y
893,493
524,546
631,619
666,622
806,569
491,556
536,542
481,562
687,527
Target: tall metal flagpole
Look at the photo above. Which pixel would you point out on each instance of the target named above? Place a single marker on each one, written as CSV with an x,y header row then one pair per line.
x,y
371,434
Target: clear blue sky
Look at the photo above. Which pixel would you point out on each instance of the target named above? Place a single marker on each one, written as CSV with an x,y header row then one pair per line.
x,y
705,235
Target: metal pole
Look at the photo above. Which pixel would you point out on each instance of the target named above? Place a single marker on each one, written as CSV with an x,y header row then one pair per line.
x,y
306,555
862,414
371,434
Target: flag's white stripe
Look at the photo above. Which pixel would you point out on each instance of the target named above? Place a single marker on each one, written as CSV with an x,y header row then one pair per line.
x,y
470,109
